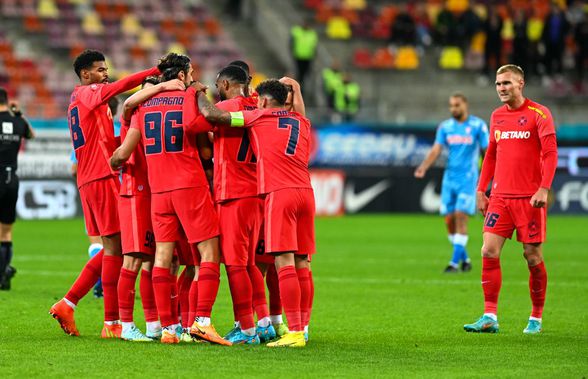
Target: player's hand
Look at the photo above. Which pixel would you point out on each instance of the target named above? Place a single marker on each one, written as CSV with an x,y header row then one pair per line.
x,y
482,202
420,172
14,107
290,82
539,199
199,87
173,85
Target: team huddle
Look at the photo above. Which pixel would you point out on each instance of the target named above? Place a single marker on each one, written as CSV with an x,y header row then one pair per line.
x,y
160,214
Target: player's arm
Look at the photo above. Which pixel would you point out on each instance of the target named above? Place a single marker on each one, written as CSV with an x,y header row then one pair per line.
x,y
297,99
17,112
124,151
211,113
142,95
99,94
488,167
431,157
548,142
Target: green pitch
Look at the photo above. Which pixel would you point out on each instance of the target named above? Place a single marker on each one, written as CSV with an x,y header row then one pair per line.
x,y
382,309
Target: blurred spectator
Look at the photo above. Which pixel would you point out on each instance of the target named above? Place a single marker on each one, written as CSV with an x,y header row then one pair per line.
x,y
234,8
303,43
446,27
534,33
423,25
332,79
403,29
581,39
520,47
554,34
457,29
493,47
347,98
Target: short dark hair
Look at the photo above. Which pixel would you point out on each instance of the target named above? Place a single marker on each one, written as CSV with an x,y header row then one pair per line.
x,y
460,95
3,96
151,80
234,74
171,64
86,59
274,89
244,66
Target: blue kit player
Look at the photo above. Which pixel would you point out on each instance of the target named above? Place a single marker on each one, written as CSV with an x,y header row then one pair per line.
x,y
464,135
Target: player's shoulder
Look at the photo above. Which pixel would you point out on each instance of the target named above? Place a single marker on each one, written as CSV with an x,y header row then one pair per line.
x,y
445,124
539,109
476,121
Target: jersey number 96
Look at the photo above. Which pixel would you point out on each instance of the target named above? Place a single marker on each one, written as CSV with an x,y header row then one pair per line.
x,y
173,132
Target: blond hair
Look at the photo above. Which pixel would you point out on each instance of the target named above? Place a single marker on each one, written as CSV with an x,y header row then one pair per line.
x,y
511,68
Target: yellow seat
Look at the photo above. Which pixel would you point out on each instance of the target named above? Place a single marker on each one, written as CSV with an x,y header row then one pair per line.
x,y
451,58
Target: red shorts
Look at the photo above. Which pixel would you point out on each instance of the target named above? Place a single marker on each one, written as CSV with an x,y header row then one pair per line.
x,y
100,205
190,209
240,223
504,215
136,233
187,253
260,255
289,221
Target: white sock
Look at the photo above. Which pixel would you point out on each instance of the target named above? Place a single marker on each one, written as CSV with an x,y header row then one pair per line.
x,y
306,329
203,321
492,316
249,332
126,326
264,322
237,324
153,327
534,319
72,305
460,239
112,322
450,238
276,319
176,326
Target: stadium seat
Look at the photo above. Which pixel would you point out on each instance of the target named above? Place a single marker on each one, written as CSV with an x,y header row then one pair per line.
x,y
355,4
407,58
47,9
91,23
383,59
130,24
362,58
338,28
451,58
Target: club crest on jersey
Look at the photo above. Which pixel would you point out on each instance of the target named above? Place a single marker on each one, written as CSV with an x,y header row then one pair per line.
x,y
522,121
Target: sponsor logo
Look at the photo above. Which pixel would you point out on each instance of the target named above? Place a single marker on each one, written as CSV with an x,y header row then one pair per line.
x,y
328,191
456,139
7,128
523,134
573,192
354,202
430,200
40,199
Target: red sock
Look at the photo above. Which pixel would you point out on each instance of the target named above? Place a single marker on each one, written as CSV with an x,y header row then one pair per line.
x,y
273,286
111,265
162,289
184,283
538,287
148,297
208,282
126,294
175,301
242,295
258,288
87,278
193,301
491,283
304,282
290,295
311,301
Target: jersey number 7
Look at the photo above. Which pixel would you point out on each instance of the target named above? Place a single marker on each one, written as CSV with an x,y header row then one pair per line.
x,y
173,132
294,124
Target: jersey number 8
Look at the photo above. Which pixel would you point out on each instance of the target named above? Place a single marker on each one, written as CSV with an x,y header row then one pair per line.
x,y
77,135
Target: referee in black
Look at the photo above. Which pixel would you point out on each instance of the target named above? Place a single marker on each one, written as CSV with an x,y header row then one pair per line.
x,y
13,128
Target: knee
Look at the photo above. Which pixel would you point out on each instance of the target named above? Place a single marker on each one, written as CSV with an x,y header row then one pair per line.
x,y
490,251
533,256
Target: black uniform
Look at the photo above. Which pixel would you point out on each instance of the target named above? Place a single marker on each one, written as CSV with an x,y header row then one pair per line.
x,y
12,130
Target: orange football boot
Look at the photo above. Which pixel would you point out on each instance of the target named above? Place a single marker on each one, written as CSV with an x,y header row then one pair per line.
x,y
111,331
64,314
208,333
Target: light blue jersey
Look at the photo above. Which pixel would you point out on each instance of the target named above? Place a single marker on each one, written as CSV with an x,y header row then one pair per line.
x,y
463,141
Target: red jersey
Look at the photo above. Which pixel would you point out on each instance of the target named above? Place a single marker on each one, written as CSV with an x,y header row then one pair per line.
x,y
169,122
234,161
134,171
281,142
516,142
91,128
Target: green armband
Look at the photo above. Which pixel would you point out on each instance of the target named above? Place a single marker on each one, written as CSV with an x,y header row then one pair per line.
x,y
237,119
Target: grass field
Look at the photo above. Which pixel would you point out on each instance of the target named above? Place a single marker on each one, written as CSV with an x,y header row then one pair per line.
x,y
382,309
